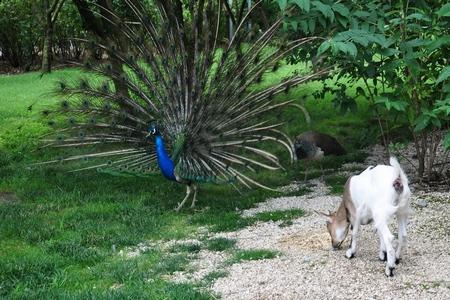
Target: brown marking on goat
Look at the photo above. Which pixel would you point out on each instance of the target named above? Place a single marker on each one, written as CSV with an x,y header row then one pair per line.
x,y
342,218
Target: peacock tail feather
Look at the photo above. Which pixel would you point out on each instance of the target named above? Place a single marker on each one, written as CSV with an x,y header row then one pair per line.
x,y
176,73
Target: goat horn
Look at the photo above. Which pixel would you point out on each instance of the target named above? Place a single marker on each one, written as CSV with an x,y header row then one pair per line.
x,y
321,213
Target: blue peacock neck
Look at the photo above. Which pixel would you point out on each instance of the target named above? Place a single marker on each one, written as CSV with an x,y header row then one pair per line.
x,y
165,164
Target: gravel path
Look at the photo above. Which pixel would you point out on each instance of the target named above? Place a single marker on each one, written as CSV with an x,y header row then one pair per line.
x,y
308,269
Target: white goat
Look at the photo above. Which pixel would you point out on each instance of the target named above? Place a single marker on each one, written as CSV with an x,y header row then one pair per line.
x,y
374,195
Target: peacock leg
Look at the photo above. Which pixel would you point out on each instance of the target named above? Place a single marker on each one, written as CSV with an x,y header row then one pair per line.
x,y
188,193
306,163
321,171
195,196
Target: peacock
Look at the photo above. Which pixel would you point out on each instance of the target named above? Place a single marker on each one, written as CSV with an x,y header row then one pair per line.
x,y
183,101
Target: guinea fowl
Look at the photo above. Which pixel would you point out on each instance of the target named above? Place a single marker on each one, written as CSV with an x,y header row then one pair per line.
x,y
191,110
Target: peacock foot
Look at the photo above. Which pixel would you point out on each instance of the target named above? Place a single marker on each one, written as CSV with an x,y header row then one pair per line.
x,y
180,205
188,193
195,196
193,204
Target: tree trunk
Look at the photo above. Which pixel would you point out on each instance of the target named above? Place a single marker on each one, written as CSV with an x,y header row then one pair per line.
x,y
51,15
421,151
47,51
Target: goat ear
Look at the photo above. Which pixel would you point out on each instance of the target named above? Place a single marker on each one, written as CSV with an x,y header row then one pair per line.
x,y
326,216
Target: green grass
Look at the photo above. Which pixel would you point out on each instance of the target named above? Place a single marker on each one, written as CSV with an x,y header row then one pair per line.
x,y
279,215
34,274
336,183
220,244
172,263
253,254
186,247
211,277
57,238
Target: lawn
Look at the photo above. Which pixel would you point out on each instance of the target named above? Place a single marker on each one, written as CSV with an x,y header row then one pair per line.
x,y
61,234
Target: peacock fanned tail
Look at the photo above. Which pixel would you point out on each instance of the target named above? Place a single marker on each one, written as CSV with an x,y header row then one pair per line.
x,y
175,72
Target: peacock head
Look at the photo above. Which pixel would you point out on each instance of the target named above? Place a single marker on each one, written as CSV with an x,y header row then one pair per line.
x,y
153,130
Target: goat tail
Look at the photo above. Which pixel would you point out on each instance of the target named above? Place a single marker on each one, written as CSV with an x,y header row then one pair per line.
x,y
400,183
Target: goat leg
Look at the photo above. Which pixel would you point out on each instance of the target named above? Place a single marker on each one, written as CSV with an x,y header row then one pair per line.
x,y
402,220
352,250
387,237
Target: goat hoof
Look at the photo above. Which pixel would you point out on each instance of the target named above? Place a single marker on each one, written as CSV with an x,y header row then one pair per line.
x,y
383,256
349,254
390,272
397,261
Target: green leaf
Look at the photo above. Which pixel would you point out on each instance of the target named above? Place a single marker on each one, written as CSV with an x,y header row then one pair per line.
x,y
422,122
425,119
303,4
343,21
381,99
439,42
323,47
304,26
445,73
341,9
361,14
389,51
444,11
447,141
362,37
378,39
346,47
322,21
436,122
399,105
294,25
418,16
416,43
442,106
312,25
282,4
326,10
446,88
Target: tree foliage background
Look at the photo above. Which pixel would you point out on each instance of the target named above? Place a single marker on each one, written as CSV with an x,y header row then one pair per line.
x,y
396,52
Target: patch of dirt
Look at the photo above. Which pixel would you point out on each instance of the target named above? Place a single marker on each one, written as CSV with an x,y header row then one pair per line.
x,y
306,241
10,198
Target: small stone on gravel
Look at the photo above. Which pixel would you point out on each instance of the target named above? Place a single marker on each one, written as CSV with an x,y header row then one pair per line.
x,y
421,202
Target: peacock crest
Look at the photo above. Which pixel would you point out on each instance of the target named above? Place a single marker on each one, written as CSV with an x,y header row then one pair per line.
x,y
176,75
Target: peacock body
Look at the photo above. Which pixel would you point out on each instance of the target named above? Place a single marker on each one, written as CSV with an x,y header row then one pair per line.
x,y
165,163
178,102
